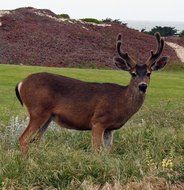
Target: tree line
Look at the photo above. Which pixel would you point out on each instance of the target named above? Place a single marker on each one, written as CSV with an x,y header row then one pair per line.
x,y
164,31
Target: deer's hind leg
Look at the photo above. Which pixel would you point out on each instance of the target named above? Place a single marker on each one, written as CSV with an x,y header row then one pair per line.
x,y
108,138
35,129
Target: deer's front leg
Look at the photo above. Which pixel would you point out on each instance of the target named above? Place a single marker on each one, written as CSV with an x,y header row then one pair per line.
x,y
97,136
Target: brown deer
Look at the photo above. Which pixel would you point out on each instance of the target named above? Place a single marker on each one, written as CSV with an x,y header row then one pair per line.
x,y
75,104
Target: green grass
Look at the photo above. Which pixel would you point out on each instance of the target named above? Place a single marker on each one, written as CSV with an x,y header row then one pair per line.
x,y
64,159
165,87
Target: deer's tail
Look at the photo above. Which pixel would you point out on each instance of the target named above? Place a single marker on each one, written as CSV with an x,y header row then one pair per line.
x,y
17,92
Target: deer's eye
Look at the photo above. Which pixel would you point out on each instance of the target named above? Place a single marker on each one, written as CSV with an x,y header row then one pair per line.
x,y
148,74
133,75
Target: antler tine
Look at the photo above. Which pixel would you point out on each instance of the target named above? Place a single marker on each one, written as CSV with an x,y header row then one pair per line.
x,y
156,55
125,56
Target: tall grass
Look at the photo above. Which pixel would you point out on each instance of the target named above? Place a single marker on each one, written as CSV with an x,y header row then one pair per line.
x,y
64,159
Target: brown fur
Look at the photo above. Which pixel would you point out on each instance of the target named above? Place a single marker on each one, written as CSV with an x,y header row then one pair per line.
x,y
75,104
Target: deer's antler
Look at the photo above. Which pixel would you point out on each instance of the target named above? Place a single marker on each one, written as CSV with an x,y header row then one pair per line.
x,y
130,62
156,55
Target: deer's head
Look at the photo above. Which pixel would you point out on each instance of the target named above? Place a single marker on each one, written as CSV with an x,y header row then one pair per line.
x,y
141,72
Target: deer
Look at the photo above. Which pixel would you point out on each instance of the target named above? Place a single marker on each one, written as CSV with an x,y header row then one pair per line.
x,y
79,105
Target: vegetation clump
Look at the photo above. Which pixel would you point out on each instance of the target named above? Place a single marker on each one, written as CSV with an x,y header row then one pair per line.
x,y
115,21
65,16
92,20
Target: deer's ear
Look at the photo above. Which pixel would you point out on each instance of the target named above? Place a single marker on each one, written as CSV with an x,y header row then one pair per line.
x,y
121,64
159,64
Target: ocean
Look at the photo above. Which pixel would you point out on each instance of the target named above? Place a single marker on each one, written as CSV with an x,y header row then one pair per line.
x,y
148,25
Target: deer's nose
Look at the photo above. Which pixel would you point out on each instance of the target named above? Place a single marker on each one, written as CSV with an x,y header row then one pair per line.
x,y
143,87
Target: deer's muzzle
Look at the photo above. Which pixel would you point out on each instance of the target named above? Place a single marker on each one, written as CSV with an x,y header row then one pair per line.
x,y
143,87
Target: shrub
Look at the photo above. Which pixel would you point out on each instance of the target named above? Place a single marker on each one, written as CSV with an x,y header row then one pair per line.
x,y
181,34
116,21
66,16
92,20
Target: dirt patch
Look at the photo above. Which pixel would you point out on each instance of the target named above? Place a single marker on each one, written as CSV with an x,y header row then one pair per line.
x,y
38,37
178,49
176,40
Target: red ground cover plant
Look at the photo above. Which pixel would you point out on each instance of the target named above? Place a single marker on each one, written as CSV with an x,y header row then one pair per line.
x,y
38,37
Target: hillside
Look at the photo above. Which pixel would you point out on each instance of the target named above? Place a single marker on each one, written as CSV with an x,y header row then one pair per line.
x,y
32,36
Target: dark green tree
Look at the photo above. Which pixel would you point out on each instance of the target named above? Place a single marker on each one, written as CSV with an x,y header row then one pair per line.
x,y
181,34
164,31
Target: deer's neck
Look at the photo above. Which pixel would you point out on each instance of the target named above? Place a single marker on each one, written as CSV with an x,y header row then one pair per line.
x,y
134,98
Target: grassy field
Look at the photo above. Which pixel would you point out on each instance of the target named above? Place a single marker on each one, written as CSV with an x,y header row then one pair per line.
x,y
148,151
166,88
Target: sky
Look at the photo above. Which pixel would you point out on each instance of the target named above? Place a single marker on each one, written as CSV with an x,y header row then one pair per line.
x,y
148,10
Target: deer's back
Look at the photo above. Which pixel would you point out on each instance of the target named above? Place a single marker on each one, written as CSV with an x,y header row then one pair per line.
x,y
62,86
74,101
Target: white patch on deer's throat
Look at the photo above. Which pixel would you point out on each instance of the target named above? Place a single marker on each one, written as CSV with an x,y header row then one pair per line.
x,y
142,83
